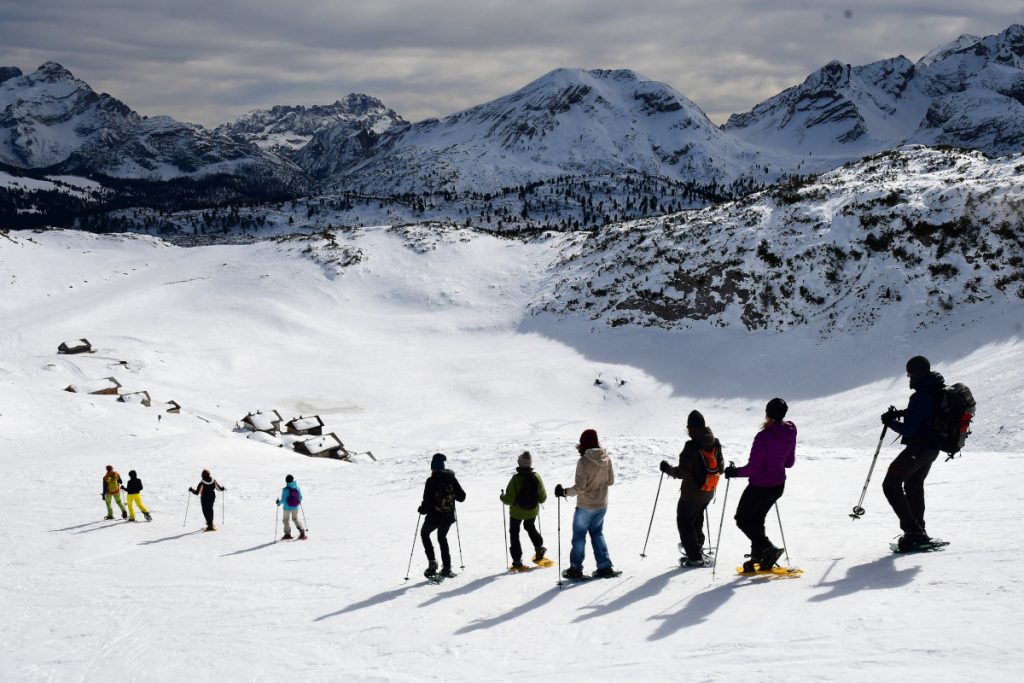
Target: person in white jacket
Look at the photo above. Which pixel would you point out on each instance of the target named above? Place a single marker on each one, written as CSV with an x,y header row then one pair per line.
x,y
594,474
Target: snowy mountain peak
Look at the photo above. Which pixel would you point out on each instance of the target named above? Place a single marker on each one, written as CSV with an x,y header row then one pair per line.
x,y
964,42
52,72
8,72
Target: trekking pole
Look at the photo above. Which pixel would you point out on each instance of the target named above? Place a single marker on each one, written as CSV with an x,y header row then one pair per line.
x,y
462,563
276,508
782,533
504,528
721,523
643,553
188,499
707,518
559,504
222,499
858,511
413,549
304,522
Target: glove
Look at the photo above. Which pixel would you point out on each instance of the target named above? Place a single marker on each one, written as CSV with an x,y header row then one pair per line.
x,y
559,491
730,471
665,467
278,502
422,509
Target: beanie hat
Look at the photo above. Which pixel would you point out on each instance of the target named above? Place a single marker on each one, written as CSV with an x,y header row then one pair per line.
x,y
588,439
437,462
776,409
918,365
131,474
525,460
289,479
695,419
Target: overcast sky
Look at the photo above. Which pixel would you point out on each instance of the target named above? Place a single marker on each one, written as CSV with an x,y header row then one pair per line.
x,y
209,61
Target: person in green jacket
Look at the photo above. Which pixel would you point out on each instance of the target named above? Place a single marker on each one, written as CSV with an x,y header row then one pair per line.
x,y
524,495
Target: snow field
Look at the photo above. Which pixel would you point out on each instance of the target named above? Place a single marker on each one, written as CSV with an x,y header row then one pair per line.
x,y
406,354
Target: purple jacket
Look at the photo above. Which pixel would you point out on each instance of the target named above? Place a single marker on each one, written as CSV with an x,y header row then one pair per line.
x,y
774,451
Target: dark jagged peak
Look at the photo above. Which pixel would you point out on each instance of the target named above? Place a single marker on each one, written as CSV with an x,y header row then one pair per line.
x,y
9,72
53,72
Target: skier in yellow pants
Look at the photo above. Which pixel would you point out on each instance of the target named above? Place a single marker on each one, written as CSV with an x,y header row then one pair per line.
x,y
112,491
134,491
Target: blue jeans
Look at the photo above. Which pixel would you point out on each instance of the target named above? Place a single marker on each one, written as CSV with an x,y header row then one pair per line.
x,y
592,522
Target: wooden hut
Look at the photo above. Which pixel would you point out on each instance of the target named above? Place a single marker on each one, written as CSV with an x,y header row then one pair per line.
x,y
75,346
311,425
105,386
326,446
140,397
263,421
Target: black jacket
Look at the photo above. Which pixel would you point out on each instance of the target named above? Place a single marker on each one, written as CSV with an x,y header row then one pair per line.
x,y
916,427
134,486
692,468
207,490
440,493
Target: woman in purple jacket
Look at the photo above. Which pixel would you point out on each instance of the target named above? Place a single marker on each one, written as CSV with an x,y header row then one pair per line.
x,y
773,452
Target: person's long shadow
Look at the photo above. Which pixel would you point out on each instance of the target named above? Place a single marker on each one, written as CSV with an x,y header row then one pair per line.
x,y
880,573
97,528
641,592
378,599
538,601
170,538
79,526
697,610
462,590
249,550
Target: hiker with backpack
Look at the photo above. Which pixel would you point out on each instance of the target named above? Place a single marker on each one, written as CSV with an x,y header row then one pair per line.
x,y
700,464
524,495
207,489
134,491
773,452
594,474
904,481
112,492
440,493
290,499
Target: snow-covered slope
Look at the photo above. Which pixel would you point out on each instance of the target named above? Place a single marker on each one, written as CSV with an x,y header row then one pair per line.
x,y
966,94
417,348
49,118
568,122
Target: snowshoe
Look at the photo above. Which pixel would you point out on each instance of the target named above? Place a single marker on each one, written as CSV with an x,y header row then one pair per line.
x,y
538,555
286,537
518,566
447,573
687,563
606,573
303,536
574,574
149,517
912,541
431,570
109,517
749,567
933,544
769,557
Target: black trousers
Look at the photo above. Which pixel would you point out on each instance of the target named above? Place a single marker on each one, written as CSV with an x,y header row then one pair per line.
x,y
207,504
690,521
441,525
754,505
904,486
531,530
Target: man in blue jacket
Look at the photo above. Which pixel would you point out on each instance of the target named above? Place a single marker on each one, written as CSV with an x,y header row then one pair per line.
x,y
904,482
291,499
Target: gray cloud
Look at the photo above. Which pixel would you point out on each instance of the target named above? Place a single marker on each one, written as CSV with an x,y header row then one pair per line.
x,y
210,62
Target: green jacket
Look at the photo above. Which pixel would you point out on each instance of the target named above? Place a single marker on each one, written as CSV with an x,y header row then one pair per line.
x,y
512,492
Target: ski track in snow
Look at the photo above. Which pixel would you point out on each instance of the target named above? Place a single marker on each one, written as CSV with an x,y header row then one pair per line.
x,y
407,354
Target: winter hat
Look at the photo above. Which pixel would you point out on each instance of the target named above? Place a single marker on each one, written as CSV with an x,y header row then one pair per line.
x,y
695,419
526,460
776,409
918,365
205,475
110,468
437,462
131,474
289,479
588,439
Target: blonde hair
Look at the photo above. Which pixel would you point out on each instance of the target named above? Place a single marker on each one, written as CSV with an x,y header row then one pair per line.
x,y
768,422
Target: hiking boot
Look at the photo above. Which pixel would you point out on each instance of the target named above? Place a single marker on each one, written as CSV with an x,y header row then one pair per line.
x,y
912,540
131,519
686,562
518,564
573,573
109,517
538,554
604,572
769,556
431,569
124,515
210,528
302,536
149,517
286,537
447,572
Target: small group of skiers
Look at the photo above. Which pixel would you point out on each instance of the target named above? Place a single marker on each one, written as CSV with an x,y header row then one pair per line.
x,y
700,465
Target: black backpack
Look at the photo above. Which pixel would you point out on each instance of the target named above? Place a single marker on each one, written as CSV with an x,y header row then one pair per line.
x,y
528,496
953,414
444,497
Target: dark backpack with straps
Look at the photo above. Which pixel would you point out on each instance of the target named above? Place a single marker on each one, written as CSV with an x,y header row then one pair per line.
x,y
953,415
293,498
444,497
528,496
